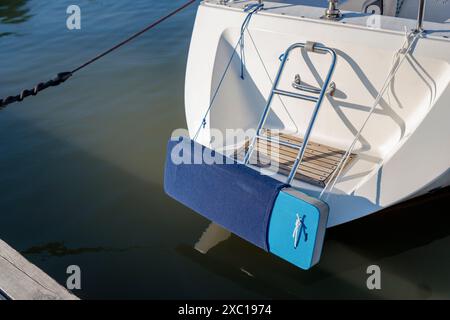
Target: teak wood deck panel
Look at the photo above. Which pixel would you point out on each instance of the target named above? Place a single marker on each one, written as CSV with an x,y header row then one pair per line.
x,y
319,162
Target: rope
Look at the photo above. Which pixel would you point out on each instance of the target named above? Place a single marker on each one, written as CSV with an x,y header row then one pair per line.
x,y
334,177
251,9
63,76
203,124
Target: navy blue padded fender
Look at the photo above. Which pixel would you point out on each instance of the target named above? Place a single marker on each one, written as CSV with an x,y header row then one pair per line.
x,y
234,196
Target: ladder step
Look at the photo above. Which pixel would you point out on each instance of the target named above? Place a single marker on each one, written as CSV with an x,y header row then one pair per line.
x,y
278,141
295,95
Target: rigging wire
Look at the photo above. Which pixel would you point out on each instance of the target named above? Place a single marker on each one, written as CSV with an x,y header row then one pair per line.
x,y
406,48
270,78
251,9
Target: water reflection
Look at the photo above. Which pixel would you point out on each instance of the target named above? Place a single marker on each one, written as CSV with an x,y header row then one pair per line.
x,y
4,34
58,249
14,11
397,239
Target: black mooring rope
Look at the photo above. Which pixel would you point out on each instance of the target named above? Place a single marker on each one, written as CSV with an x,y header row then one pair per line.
x,y
63,76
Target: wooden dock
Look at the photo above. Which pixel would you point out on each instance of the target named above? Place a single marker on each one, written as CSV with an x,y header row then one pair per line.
x,y
22,280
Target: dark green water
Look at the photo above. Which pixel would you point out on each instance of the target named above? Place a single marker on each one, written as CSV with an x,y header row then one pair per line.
x,y
81,175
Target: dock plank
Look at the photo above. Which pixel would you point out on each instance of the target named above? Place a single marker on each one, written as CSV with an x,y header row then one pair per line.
x,y
22,280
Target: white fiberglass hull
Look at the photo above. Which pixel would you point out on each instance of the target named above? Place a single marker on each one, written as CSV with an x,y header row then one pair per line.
x,y
404,150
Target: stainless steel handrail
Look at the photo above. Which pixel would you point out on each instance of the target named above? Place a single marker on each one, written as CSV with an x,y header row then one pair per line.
x,y
296,95
309,47
302,87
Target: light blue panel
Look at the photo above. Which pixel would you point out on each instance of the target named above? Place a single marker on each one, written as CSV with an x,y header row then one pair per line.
x,y
296,229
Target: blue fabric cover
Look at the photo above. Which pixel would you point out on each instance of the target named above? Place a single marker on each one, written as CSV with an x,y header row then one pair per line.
x,y
234,196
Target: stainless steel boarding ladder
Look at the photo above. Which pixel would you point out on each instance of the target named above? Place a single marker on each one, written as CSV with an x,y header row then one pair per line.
x,y
309,47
